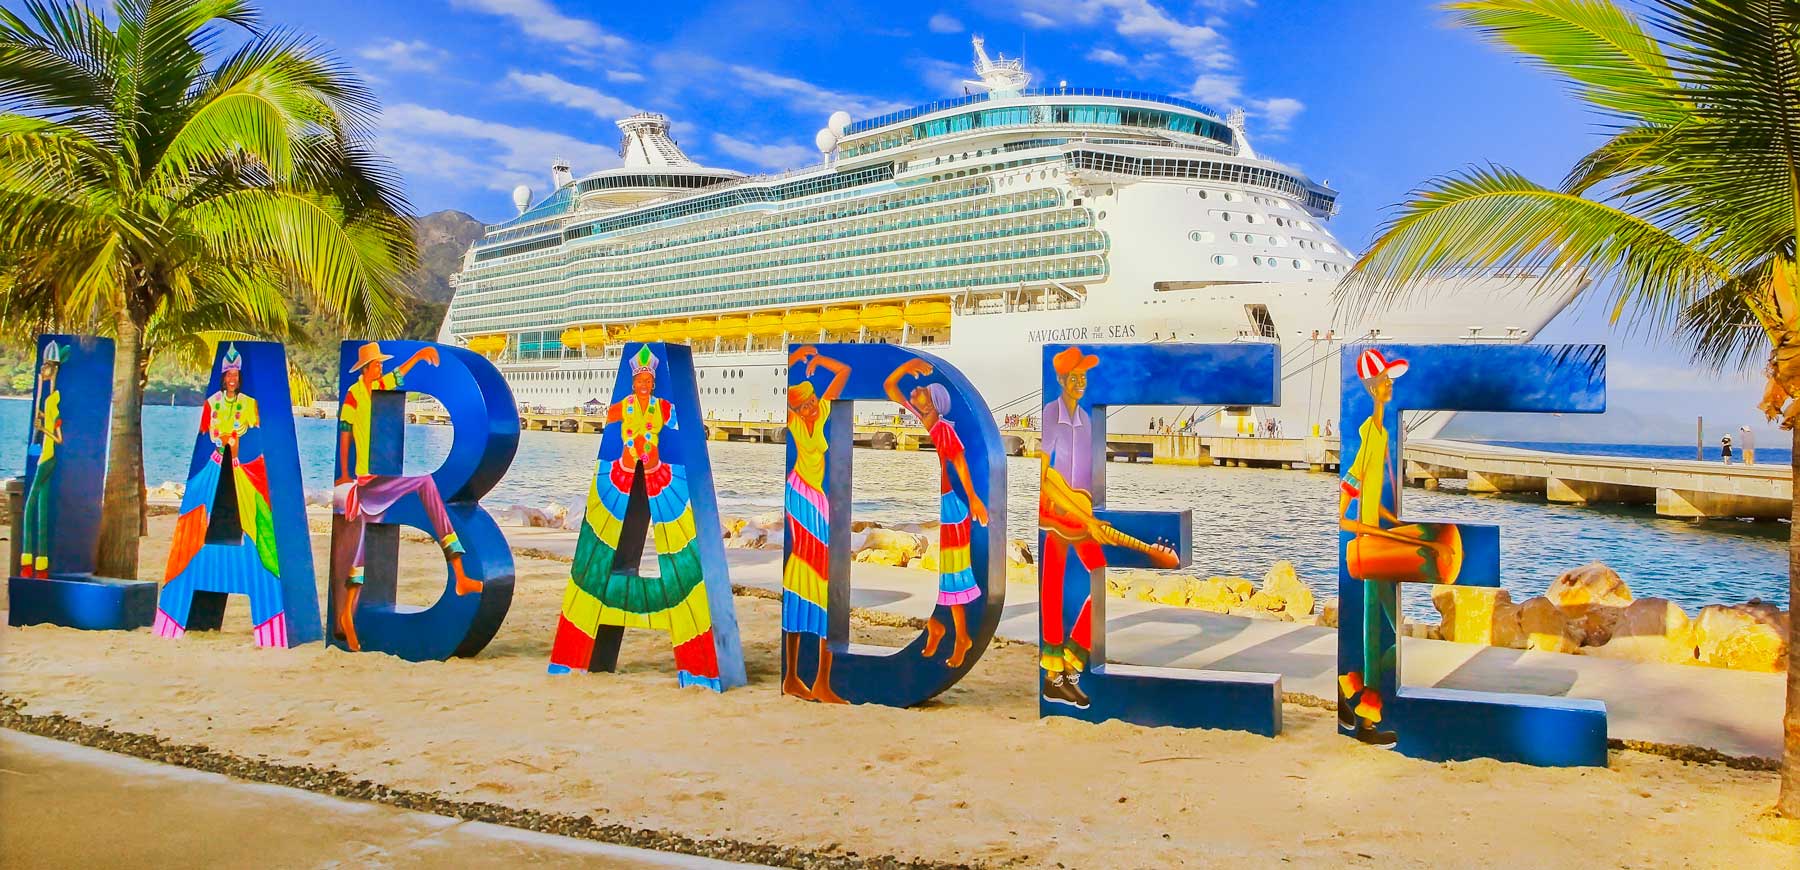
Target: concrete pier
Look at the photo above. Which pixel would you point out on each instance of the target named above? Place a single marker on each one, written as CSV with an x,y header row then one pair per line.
x,y
1678,488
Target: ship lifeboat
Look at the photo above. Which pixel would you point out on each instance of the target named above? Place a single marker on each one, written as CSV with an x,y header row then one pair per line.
x,y
571,337
595,337
702,328
672,331
928,313
767,323
801,325
487,345
642,332
840,319
882,316
732,326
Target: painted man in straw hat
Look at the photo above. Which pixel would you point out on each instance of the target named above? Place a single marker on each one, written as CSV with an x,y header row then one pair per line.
x,y
362,497
1065,513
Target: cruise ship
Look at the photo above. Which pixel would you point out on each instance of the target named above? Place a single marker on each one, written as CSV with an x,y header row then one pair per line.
x,y
977,229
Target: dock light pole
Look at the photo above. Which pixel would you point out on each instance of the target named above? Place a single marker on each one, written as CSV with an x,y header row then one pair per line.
x,y
1700,439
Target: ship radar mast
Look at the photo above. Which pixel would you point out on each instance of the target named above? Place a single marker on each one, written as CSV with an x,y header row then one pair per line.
x,y
1002,76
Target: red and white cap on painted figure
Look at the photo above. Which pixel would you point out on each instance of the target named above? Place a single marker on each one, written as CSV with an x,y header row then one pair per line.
x,y
1371,364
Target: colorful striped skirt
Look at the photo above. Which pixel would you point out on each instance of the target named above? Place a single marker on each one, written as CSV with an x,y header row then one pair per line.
x,y
956,576
804,576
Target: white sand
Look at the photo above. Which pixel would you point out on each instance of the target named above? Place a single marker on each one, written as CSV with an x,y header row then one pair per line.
x,y
975,776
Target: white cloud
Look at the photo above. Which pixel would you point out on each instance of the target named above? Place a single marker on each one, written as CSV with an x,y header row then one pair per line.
x,y
806,96
405,56
945,23
540,20
1276,113
624,76
1217,90
1037,20
569,94
1107,56
941,77
427,141
784,155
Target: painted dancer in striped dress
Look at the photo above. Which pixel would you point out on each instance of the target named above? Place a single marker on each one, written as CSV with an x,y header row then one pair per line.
x,y
956,574
226,505
673,601
804,577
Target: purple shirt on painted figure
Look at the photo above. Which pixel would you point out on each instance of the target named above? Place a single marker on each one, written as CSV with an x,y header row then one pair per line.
x,y
1069,442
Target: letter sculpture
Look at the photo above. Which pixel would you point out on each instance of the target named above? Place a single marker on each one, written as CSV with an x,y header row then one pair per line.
x,y
818,662
65,468
1079,538
653,475
373,498
242,527
1378,550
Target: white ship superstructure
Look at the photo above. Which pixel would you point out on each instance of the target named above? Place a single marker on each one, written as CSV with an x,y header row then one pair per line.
x,y
978,228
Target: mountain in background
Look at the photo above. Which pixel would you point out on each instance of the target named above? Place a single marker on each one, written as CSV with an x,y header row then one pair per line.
x,y
444,236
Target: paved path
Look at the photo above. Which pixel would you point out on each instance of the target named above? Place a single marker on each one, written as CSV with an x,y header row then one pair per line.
x,y
63,805
1735,712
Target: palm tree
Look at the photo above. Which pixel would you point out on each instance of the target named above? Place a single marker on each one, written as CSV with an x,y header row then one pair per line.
x,y
1686,211
183,158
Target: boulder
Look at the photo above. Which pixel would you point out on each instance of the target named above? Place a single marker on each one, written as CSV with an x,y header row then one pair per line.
x,y
733,525
1284,583
1264,600
1143,590
769,520
554,515
1649,630
319,497
1170,590
1593,597
1019,553
1547,627
1421,630
905,543
1214,595
881,556
1744,637
168,490
520,515
1478,615
1240,587
1328,613
1015,573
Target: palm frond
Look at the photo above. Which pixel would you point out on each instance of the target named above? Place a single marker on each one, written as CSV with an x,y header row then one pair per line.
x,y
1598,47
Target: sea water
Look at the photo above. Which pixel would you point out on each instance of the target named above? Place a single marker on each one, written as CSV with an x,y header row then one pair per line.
x,y
1244,519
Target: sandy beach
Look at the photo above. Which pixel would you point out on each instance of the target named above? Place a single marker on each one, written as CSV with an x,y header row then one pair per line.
x,y
975,778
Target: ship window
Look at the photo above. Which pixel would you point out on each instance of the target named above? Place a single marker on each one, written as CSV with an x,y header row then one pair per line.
x,y
1260,321
1256,260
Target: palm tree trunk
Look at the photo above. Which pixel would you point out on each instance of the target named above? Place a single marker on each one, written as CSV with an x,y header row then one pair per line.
x,y
1788,803
124,494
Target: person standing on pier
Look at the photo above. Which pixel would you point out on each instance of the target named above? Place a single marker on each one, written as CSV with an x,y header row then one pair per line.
x,y
804,578
1747,439
1725,450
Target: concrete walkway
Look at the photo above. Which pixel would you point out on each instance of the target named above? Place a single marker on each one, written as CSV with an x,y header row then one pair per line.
x,y
63,805
1735,712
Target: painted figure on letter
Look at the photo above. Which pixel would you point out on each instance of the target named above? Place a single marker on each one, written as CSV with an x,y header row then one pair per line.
x,y
1066,514
233,482
362,497
675,600
804,578
956,576
46,433
1381,548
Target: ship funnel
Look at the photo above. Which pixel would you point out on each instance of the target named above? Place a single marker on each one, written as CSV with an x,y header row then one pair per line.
x,y
644,141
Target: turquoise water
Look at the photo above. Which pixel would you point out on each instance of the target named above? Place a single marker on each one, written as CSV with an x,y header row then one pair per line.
x,y
1244,520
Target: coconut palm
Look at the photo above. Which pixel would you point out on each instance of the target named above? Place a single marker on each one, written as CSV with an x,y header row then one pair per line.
x,y
171,156
1685,213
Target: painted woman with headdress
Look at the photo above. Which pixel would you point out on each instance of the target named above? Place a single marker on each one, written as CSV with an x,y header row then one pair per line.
x,y
805,575
956,573
226,502
675,599
46,434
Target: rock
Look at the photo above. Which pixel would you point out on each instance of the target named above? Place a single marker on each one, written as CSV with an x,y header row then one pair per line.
x,y
320,498
1478,615
881,556
769,520
1143,590
1422,630
905,543
1744,637
1649,630
1284,583
1170,590
554,515
1592,596
1547,627
1213,594
1241,587
733,525
1271,602
168,490
1328,614
1016,573
1019,553
520,515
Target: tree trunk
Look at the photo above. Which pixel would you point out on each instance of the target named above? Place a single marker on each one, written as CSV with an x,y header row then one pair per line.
x,y
143,486
124,494
1788,804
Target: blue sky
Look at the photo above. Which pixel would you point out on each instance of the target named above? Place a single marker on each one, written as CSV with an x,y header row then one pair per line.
x,y
1373,95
